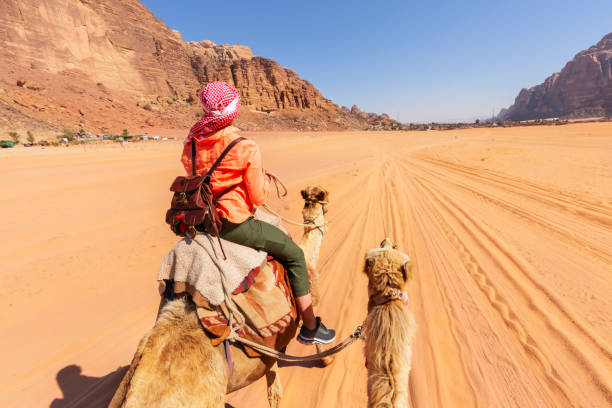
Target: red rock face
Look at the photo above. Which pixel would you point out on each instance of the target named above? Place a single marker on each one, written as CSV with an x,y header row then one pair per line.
x,y
582,89
112,64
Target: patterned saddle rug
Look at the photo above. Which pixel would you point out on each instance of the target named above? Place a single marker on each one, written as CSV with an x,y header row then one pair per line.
x,y
265,299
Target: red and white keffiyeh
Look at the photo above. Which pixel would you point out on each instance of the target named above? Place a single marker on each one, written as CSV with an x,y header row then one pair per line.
x,y
221,105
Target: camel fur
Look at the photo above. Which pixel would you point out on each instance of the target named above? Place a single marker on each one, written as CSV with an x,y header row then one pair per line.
x,y
176,365
389,328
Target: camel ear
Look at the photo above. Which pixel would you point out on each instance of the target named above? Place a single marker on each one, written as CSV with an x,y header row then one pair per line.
x,y
322,195
406,271
304,194
369,264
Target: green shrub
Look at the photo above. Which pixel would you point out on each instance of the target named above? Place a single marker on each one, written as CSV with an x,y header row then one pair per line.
x,y
15,136
68,134
31,138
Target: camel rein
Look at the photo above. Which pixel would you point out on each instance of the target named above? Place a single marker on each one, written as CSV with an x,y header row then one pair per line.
x,y
310,224
357,334
235,337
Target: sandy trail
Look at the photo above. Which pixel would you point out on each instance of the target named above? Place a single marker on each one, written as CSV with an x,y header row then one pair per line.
x,y
510,231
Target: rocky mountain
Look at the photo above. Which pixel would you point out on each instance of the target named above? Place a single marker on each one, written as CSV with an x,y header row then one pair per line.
x,y
583,88
110,64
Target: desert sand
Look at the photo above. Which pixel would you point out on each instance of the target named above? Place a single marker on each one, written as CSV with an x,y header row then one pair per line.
x,y
510,232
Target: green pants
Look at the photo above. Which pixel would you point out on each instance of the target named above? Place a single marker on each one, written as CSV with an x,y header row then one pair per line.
x,y
266,237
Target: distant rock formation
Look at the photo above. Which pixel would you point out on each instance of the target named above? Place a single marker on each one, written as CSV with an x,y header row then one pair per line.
x,y
583,88
112,64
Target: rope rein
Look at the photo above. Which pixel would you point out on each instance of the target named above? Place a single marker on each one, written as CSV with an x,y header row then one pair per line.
x,y
278,184
357,334
235,337
299,224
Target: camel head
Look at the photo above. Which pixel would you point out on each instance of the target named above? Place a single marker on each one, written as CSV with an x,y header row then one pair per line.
x,y
315,206
387,269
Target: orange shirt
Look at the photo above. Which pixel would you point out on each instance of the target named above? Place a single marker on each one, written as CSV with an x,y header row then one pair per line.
x,y
242,167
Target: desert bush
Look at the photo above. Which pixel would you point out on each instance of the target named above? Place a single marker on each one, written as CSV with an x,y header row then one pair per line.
x,y
31,138
15,136
68,134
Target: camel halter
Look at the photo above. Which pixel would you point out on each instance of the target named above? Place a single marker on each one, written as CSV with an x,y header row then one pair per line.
x,y
278,184
388,295
307,224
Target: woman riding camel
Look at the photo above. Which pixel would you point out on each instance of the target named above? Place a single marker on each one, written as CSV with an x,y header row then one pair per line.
x,y
242,168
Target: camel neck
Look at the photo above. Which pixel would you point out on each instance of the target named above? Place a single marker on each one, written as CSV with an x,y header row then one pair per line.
x,y
311,242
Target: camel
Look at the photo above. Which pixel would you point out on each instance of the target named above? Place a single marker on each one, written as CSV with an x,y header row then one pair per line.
x,y
389,327
175,364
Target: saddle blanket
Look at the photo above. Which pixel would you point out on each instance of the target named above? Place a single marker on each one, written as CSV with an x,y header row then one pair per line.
x,y
198,264
268,308
260,290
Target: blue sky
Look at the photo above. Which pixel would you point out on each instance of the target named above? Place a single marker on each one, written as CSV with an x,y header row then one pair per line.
x,y
418,61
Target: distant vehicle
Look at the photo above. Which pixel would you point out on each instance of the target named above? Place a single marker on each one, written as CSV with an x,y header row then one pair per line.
x,y
6,143
144,138
164,138
155,137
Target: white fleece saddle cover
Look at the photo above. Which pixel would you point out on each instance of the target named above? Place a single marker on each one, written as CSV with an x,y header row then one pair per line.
x,y
198,263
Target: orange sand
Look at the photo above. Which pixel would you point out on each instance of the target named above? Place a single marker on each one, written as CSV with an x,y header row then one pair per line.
x,y
509,230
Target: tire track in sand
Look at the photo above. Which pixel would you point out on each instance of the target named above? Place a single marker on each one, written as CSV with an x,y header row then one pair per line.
x,y
587,209
438,347
493,293
563,232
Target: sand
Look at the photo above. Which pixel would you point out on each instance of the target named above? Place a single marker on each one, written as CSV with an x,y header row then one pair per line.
x,y
510,231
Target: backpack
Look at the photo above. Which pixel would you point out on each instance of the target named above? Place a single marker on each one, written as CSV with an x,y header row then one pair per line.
x,y
193,207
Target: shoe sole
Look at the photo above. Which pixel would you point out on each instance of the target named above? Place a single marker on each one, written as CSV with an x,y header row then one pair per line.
x,y
314,341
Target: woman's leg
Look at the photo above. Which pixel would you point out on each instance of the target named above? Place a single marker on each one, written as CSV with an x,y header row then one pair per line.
x,y
266,237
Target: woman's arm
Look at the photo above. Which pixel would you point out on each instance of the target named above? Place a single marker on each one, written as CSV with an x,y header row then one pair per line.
x,y
257,184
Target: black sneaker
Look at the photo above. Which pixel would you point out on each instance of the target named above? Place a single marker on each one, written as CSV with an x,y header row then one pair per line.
x,y
320,334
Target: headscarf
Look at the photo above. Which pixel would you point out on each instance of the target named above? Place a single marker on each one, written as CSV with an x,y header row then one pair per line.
x,y
221,105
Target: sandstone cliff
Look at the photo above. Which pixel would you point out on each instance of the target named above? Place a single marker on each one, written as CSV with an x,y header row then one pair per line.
x,y
583,88
111,64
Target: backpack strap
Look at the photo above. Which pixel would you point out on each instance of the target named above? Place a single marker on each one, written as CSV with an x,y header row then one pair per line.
x,y
230,188
224,192
222,156
193,156
219,159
